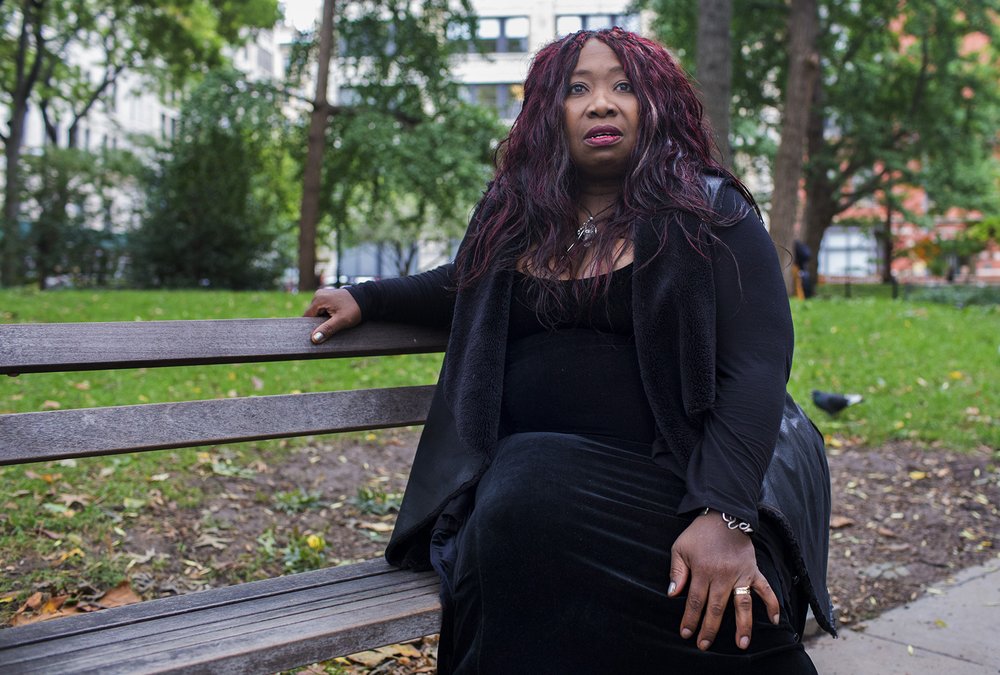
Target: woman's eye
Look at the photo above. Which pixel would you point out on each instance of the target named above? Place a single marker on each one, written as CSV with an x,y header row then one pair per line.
x,y
577,88
624,86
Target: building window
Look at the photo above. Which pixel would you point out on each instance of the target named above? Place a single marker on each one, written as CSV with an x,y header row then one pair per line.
x,y
498,34
571,23
265,60
506,98
848,252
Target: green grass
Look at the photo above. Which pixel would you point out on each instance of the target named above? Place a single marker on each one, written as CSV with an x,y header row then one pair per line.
x,y
37,524
928,371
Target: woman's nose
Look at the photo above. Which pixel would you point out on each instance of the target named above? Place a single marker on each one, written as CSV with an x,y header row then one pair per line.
x,y
602,105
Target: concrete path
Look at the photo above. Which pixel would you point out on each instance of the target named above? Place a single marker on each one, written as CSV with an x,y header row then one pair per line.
x,y
953,630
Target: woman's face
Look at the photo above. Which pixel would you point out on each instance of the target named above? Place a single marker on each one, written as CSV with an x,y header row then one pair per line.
x,y
601,113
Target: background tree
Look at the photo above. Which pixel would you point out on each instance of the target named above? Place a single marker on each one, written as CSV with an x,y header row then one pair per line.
x,y
67,191
167,42
221,203
803,75
714,68
396,184
908,98
395,58
901,97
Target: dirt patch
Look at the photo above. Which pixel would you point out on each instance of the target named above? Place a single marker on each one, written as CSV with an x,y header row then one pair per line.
x,y
905,518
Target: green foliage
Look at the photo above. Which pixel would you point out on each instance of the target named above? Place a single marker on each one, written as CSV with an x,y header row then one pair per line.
x,y
397,183
374,501
902,94
296,501
220,203
407,158
68,191
42,43
957,295
302,553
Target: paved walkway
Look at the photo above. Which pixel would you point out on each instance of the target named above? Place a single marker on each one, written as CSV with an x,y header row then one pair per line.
x,y
953,630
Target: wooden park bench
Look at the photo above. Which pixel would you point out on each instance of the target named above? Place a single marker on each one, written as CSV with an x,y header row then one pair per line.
x,y
257,627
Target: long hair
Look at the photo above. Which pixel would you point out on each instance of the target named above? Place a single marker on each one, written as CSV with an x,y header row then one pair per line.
x,y
530,209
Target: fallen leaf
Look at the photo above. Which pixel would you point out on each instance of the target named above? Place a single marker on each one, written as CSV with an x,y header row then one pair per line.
x,y
400,650
72,553
886,532
909,649
376,527
837,522
82,386
918,475
122,594
940,624
369,658
208,539
33,602
51,405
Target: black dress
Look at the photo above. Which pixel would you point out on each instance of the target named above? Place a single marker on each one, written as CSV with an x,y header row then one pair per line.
x,y
562,566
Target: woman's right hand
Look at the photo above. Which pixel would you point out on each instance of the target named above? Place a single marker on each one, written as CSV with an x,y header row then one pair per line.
x,y
337,304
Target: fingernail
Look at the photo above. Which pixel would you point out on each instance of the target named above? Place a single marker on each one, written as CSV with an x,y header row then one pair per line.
x,y
317,337
775,619
686,633
744,642
704,645
671,588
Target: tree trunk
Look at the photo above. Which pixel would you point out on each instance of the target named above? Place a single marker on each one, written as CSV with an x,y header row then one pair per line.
x,y
11,259
821,201
887,239
312,174
30,41
715,68
803,74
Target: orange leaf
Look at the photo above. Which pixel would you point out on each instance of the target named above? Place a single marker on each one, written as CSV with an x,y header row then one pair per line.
x,y
837,522
122,594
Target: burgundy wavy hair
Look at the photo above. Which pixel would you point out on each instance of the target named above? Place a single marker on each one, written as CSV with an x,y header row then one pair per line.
x,y
530,210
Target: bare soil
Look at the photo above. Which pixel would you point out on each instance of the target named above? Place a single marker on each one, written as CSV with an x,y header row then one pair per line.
x,y
904,518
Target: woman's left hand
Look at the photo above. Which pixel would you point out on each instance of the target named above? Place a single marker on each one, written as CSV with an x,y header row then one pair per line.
x,y
717,560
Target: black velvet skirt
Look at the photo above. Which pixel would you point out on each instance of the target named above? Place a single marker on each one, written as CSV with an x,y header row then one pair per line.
x,y
562,566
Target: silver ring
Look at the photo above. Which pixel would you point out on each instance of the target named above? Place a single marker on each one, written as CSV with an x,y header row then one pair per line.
x,y
741,590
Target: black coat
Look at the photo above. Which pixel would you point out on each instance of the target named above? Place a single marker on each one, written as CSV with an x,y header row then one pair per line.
x,y
714,340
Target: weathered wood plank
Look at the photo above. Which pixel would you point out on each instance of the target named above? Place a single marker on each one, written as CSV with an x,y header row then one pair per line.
x,y
190,602
338,606
55,347
85,432
253,628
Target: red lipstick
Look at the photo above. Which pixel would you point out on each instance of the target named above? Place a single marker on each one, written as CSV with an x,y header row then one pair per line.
x,y
603,134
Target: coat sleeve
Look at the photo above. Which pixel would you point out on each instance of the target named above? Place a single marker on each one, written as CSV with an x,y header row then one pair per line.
x,y
754,342
426,299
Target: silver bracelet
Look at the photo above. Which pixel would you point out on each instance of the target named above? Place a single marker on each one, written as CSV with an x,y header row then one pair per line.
x,y
732,522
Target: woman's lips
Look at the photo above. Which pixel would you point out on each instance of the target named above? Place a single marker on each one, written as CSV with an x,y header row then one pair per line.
x,y
603,135
600,141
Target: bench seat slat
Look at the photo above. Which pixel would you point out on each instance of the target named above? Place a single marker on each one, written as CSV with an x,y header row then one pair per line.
x,y
298,626
54,347
84,432
337,606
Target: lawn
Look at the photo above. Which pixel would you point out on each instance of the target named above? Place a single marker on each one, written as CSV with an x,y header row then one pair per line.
x,y
928,373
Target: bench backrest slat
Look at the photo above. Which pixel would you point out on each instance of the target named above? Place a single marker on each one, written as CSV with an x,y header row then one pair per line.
x,y
54,347
85,432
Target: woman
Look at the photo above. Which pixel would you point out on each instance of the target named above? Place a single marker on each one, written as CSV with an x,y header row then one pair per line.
x,y
599,449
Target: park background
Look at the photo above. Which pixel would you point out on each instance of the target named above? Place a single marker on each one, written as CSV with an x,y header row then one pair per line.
x,y
176,160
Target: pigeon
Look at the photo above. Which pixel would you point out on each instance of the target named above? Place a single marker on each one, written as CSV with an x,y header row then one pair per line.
x,y
834,403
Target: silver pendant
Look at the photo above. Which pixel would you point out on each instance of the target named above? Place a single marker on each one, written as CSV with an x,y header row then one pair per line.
x,y
586,233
